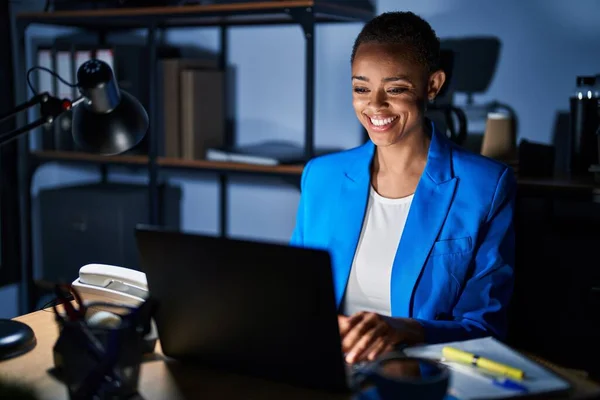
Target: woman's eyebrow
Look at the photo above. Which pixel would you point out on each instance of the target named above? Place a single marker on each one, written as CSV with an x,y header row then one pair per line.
x,y
388,79
397,78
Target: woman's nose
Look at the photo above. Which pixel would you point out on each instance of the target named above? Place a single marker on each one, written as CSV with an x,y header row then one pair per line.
x,y
378,99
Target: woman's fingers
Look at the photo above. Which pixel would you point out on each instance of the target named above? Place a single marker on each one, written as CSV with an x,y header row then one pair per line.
x,y
345,323
367,339
362,323
377,349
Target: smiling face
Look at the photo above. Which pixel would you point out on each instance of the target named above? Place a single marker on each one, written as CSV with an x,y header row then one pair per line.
x,y
390,90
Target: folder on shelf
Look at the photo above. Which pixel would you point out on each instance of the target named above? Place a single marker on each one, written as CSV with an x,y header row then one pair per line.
x,y
172,102
57,135
106,55
469,384
202,112
45,84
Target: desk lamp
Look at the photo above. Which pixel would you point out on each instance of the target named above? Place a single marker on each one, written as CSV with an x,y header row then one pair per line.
x,y
106,120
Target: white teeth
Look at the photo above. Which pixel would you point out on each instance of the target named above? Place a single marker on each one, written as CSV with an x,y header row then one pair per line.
x,y
382,122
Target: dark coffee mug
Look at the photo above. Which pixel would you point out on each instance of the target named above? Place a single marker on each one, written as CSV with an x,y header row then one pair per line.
x,y
397,376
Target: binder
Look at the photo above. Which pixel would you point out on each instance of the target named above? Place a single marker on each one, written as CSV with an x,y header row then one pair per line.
x,y
63,137
45,83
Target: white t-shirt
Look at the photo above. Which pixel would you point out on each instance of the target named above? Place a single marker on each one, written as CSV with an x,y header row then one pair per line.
x,y
368,287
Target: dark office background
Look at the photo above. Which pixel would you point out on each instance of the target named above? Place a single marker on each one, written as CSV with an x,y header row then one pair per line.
x,y
9,233
540,47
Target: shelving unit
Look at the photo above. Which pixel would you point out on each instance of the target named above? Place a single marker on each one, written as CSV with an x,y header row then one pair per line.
x,y
305,13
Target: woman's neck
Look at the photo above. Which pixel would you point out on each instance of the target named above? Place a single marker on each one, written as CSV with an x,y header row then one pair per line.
x,y
406,157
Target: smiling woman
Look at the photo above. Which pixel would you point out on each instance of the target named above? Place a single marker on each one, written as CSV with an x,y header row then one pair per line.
x,y
419,230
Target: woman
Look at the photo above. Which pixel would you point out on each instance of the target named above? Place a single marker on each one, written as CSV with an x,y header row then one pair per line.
x,y
419,230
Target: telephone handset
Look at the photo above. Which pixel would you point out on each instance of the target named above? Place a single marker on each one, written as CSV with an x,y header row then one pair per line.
x,y
112,284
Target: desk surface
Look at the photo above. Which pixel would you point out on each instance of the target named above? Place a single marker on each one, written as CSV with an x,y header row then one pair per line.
x,y
162,378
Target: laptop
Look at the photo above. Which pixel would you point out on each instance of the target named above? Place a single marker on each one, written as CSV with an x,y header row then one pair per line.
x,y
250,307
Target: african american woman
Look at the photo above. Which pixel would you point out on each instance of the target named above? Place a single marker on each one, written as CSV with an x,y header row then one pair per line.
x,y
420,231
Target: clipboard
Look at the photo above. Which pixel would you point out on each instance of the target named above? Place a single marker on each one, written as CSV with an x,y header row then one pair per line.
x,y
538,379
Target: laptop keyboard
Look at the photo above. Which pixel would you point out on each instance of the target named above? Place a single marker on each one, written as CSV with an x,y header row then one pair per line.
x,y
352,371
353,368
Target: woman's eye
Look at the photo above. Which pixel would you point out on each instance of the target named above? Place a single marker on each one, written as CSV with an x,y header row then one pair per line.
x,y
397,90
360,90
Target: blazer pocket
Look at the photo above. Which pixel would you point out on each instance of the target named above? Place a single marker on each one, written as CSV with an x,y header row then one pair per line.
x,y
451,246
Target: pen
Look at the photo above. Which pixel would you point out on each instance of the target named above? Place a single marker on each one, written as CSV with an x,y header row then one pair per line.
x,y
509,384
453,354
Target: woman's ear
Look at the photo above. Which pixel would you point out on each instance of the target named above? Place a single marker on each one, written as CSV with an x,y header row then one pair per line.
x,y
436,81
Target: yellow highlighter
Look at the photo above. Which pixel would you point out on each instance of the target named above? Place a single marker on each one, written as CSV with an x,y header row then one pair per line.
x,y
453,354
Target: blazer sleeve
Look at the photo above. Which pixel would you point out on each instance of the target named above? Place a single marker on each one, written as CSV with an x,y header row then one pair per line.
x,y
297,238
482,307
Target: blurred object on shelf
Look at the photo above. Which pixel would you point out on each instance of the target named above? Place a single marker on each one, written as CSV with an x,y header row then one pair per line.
x,y
584,121
450,120
499,138
474,64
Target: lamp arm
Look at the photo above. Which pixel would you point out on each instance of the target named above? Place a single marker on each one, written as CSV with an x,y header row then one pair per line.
x,y
35,100
51,108
8,136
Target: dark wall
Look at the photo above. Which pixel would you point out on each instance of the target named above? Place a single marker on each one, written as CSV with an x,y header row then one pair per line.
x,y
9,229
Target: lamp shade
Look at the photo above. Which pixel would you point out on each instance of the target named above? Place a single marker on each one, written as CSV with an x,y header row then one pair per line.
x,y
109,121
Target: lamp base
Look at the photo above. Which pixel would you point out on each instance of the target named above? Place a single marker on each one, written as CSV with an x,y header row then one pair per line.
x,y
16,338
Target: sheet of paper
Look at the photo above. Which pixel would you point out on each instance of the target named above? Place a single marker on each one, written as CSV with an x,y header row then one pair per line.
x,y
467,385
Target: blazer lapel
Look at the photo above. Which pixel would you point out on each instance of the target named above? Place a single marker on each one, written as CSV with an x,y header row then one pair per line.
x,y
350,212
428,211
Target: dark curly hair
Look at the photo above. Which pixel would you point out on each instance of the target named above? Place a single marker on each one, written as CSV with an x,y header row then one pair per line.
x,y
403,28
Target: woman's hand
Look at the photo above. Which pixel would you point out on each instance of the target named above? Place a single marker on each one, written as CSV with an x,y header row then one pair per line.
x,y
365,335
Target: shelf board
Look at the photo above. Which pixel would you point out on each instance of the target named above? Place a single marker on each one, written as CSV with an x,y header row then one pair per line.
x,y
168,163
249,13
570,189
54,155
559,183
221,166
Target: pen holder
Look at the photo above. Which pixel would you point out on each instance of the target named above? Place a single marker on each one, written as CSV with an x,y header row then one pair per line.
x,y
99,362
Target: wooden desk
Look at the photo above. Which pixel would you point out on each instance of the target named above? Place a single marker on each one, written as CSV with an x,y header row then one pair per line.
x,y
162,378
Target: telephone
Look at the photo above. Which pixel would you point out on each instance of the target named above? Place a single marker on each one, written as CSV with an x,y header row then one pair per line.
x,y
115,285
111,284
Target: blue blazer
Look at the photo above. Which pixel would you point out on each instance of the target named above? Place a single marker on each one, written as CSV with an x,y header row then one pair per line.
x,y
453,270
